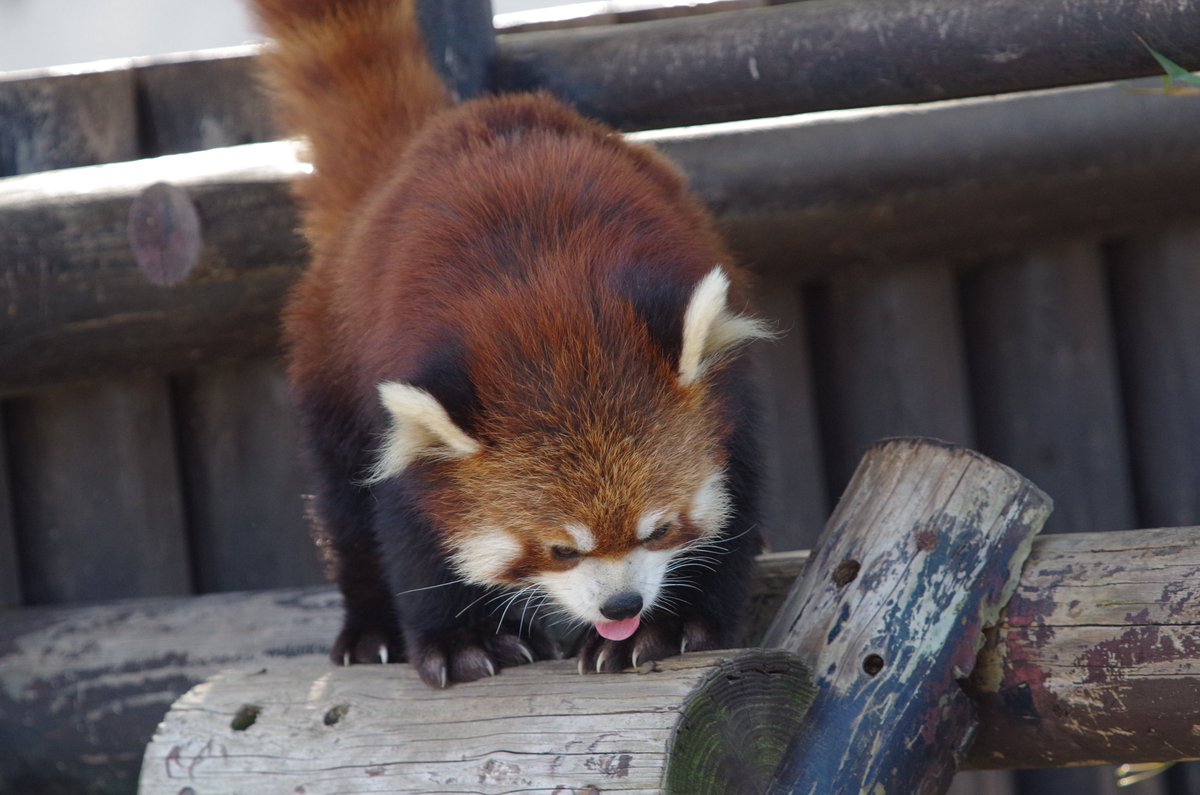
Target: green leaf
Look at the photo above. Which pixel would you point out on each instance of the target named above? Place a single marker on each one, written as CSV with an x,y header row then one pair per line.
x,y
1175,72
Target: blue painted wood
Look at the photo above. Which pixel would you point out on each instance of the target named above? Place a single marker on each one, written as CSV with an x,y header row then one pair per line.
x,y
922,552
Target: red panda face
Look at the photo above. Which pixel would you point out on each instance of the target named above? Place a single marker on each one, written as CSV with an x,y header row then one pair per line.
x,y
595,461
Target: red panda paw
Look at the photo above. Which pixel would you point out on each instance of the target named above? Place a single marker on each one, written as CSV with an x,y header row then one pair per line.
x,y
355,647
467,654
653,640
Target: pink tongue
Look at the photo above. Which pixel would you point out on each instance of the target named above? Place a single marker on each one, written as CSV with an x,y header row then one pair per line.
x,y
618,630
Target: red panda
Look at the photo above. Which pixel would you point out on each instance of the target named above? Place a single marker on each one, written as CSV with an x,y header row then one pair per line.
x,y
515,357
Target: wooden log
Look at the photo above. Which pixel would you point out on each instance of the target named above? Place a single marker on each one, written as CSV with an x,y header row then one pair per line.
x,y
63,247
1155,280
1044,381
88,460
125,663
196,101
921,553
242,479
880,186
795,494
56,118
891,362
536,728
10,571
810,56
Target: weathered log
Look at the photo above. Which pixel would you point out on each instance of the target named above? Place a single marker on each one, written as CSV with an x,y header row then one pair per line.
x,y
536,728
922,552
799,196
1073,661
825,54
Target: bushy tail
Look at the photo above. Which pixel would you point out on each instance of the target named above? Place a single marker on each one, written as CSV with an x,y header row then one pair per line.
x,y
351,76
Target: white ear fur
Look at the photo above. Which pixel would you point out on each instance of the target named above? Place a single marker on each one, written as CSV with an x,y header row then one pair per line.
x,y
420,428
710,330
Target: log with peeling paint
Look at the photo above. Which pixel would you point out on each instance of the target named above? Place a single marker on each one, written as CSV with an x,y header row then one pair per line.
x,y
1095,659
925,548
922,552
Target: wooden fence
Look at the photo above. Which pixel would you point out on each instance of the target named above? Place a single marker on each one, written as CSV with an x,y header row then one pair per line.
x,y
1015,273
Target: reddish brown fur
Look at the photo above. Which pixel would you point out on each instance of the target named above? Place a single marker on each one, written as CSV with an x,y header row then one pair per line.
x,y
512,231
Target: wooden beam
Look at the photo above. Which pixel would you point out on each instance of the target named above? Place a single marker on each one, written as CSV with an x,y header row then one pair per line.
x,y
801,57
1103,632
796,196
923,550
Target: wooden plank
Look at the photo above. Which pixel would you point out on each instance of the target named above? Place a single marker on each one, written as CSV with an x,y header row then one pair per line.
x,y
795,504
891,362
1155,283
10,571
125,663
1044,382
877,187
243,479
802,57
56,119
96,491
923,551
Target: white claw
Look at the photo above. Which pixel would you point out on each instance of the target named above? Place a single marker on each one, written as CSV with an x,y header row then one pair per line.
x,y
525,652
346,658
600,661
445,678
383,654
491,668
635,655
580,666
683,646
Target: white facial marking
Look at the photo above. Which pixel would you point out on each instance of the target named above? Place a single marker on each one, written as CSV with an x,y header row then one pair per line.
x,y
420,428
585,542
649,523
485,555
582,589
710,504
710,330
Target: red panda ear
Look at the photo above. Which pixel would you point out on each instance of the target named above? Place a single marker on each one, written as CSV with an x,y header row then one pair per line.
x,y
710,331
420,428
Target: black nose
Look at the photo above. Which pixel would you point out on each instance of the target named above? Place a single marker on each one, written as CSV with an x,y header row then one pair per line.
x,y
622,606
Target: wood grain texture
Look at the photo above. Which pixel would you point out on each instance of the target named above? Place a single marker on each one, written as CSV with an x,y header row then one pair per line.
x,y
921,553
891,362
125,663
534,728
82,688
10,570
96,493
243,479
1156,281
795,503
1044,382
58,119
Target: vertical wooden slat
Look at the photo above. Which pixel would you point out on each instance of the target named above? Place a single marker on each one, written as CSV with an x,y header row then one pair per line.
x,y
1156,298
95,477
244,480
795,505
891,362
10,572
461,43
1044,382
1044,385
983,782
96,492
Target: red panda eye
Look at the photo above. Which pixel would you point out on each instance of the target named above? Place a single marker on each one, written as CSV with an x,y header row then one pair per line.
x,y
565,553
658,533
